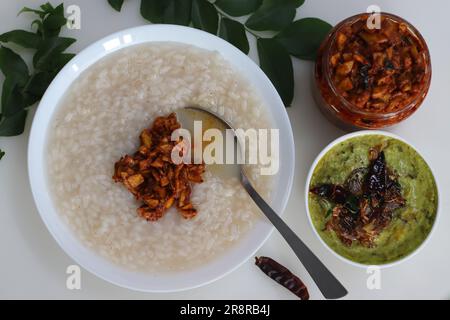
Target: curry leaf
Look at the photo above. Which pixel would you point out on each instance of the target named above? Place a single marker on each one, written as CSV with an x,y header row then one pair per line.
x,y
2,154
116,4
55,20
14,125
23,38
48,49
40,13
47,7
237,8
37,86
299,3
276,62
12,99
153,10
61,60
273,15
178,12
12,65
58,61
205,16
51,19
39,26
303,37
21,90
52,25
234,33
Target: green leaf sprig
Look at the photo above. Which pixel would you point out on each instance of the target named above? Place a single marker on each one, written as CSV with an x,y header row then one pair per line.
x,y
300,38
22,88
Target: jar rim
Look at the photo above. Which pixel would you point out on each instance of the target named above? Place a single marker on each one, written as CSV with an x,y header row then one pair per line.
x,y
352,107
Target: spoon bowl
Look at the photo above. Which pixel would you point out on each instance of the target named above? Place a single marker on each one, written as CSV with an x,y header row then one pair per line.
x,y
330,287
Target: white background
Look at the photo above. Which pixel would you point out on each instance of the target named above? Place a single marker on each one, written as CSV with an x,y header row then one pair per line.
x,y
33,266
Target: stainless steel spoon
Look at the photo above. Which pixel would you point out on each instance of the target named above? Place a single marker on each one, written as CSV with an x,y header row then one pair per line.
x,y
330,287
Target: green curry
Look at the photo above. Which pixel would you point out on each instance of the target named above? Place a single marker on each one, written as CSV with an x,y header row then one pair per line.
x,y
410,224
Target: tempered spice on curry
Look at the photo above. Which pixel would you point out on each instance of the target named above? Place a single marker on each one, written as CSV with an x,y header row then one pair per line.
x,y
366,203
414,199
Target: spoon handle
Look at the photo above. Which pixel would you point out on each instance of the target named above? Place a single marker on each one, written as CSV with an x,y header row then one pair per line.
x,y
330,287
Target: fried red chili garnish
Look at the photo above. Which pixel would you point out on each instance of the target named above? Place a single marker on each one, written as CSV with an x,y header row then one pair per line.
x,y
153,178
366,204
283,276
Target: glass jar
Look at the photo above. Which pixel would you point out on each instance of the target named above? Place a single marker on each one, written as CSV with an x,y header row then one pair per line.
x,y
372,78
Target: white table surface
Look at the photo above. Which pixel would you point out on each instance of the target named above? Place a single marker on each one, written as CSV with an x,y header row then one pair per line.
x,y
33,266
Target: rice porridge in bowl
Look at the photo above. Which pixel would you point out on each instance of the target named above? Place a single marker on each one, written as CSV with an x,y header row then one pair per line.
x,y
99,120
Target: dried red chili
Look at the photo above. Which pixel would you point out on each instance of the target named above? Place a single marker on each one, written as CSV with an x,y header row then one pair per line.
x,y
283,276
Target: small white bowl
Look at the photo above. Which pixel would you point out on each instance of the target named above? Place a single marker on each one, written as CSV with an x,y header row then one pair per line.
x,y
91,261
308,182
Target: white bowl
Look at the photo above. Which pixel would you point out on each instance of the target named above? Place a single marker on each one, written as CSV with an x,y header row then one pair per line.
x,y
61,232
308,182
